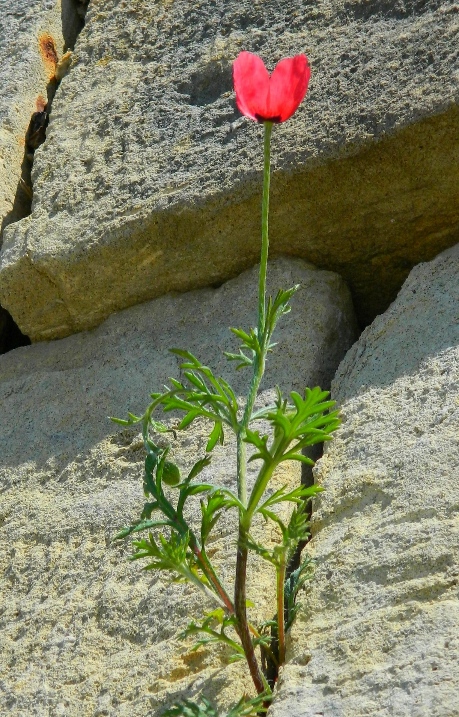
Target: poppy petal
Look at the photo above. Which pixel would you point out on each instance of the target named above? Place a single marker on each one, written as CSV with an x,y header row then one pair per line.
x,y
251,84
288,86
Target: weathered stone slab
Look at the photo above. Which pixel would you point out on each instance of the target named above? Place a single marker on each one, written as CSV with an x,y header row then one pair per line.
x,y
149,181
84,632
379,632
33,37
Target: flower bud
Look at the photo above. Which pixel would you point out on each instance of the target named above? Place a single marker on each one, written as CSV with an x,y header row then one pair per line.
x,y
171,473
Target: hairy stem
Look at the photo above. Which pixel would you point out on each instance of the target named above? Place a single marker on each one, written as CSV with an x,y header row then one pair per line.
x,y
211,575
259,360
241,614
280,609
258,371
241,458
264,230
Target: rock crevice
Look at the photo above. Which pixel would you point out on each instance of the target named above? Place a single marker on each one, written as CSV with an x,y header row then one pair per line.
x,y
37,47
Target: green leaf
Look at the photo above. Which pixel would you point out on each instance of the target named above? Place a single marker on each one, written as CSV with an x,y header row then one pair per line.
x,y
277,308
132,419
195,380
120,421
233,500
148,509
297,495
196,488
188,489
293,584
198,467
250,707
213,630
184,354
293,456
260,442
297,530
159,471
189,418
160,427
191,709
240,334
123,533
307,421
140,525
211,512
246,707
229,392
241,357
215,436
260,550
250,341
171,554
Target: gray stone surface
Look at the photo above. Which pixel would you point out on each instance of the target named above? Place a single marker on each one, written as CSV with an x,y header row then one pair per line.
x,y
82,631
149,181
26,69
379,631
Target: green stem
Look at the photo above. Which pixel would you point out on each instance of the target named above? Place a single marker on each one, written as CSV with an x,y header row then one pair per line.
x,y
260,359
280,609
211,575
241,458
264,230
258,489
240,601
240,605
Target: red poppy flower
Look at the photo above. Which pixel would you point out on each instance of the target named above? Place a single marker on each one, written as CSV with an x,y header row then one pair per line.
x,y
272,98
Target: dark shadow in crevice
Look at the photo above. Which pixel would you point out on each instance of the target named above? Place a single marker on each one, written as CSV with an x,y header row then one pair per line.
x,y
73,14
35,136
307,479
22,204
11,336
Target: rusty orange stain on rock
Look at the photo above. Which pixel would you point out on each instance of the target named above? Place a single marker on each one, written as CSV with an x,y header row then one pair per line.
x,y
40,103
48,52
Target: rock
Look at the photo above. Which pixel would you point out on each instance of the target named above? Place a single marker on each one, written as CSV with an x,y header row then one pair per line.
x,y
149,180
379,630
83,631
33,34
10,336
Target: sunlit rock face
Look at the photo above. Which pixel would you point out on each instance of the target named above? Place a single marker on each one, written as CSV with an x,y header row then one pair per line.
x,y
83,631
378,633
149,180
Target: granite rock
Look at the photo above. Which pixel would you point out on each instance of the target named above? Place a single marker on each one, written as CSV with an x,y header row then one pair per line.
x,y
378,634
149,180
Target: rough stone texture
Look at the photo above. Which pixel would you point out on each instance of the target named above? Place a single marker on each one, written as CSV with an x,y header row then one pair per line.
x,y
149,181
26,70
379,633
83,632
